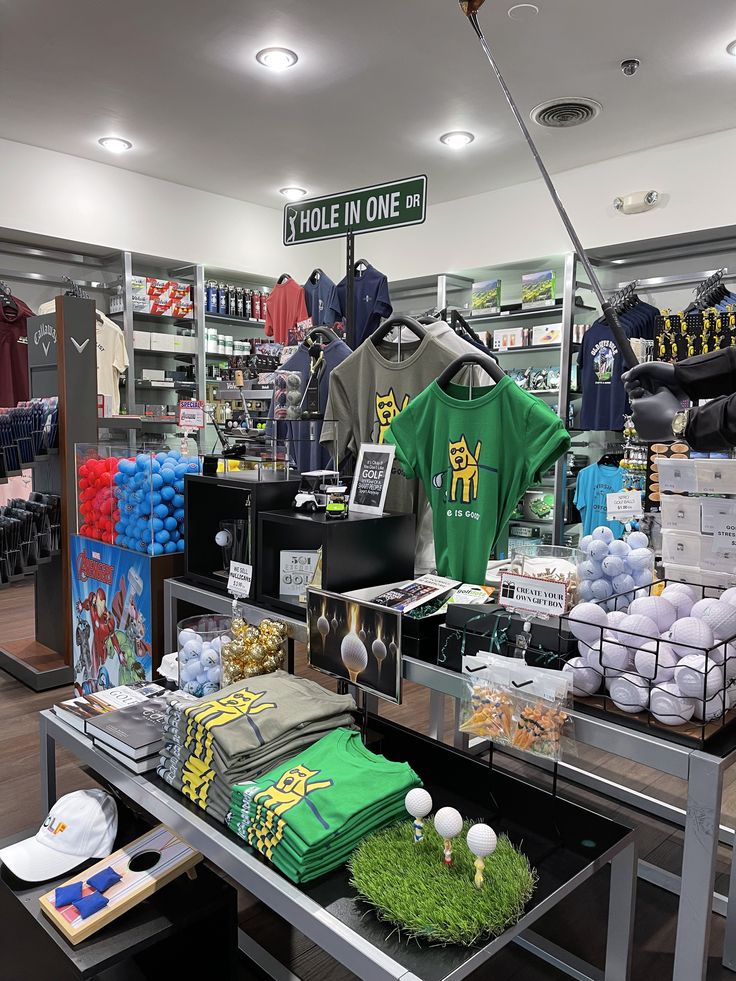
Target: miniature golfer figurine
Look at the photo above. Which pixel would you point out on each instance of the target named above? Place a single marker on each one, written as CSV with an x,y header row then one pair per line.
x,y
418,803
448,823
482,843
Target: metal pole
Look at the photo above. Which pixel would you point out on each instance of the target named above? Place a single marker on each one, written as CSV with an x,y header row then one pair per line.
x,y
350,291
470,9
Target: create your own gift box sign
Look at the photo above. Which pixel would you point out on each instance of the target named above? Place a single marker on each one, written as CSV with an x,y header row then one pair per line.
x,y
366,209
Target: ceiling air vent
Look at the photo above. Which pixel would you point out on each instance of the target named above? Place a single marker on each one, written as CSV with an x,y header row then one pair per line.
x,y
562,113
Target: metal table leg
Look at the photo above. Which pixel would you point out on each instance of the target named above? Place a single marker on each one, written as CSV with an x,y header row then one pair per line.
x,y
170,603
705,788
729,940
436,715
622,901
48,766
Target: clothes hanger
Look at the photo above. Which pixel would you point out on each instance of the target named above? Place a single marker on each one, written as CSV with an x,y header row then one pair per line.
x,y
6,299
611,459
399,322
316,275
489,365
361,263
282,278
327,333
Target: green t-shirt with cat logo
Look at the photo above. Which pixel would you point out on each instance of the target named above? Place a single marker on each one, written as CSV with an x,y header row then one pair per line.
x,y
475,460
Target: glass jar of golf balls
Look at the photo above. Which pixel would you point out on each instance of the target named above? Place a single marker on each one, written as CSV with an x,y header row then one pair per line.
x,y
200,643
612,572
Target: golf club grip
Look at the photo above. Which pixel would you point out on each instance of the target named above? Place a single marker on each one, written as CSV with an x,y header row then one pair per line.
x,y
624,346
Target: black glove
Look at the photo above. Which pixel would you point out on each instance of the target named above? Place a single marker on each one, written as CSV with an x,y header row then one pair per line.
x,y
646,378
653,414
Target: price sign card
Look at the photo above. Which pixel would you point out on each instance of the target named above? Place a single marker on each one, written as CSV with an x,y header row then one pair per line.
x,y
624,506
724,534
191,414
545,597
239,580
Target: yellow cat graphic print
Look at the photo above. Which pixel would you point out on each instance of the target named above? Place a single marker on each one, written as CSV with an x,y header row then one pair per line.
x,y
267,827
464,466
387,408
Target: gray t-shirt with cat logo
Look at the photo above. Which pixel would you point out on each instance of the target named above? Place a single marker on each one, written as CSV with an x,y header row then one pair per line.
x,y
369,389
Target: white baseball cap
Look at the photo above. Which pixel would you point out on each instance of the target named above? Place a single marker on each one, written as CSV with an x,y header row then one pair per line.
x,y
80,826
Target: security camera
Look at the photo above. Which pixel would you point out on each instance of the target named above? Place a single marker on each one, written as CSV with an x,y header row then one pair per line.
x,y
635,204
630,66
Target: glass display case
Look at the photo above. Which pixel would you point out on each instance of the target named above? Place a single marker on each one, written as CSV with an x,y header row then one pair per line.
x,y
133,500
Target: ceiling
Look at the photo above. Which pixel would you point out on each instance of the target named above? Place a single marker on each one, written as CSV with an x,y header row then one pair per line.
x,y
376,84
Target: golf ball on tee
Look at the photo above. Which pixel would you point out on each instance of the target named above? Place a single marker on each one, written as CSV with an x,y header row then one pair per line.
x,y
448,822
689,635
629,692
418,802
587,622
656,661
697,676
481,840
585,680
669,706
603,533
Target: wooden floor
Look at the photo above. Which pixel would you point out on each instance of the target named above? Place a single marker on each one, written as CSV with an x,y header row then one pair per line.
x,y
579,923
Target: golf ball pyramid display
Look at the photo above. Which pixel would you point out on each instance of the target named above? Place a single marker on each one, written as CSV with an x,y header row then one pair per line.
x,y
215,652
668,654
135,502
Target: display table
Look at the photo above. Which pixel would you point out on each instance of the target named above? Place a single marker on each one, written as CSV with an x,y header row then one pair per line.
x,y
328,912
704,773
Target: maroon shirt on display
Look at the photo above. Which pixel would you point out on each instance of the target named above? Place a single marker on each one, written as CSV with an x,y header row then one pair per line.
x,y
14,353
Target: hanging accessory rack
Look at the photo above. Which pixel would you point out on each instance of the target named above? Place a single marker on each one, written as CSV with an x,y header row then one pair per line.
x,y
470,8
620,299
74,289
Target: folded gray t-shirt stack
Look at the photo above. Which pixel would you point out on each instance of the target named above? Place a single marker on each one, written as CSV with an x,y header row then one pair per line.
x,y
244,731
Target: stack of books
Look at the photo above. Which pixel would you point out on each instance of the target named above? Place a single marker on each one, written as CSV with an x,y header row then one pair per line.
x,y
132,735
77,712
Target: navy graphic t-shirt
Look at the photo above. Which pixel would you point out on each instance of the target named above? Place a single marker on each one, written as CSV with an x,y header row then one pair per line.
x,y
601,366
372,301
322,302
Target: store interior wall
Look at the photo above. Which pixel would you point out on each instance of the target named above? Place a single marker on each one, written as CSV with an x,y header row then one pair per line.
x,y
48,193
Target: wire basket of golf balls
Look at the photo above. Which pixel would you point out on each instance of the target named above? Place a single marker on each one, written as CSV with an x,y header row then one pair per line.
x,y
200,643
134,501
661,657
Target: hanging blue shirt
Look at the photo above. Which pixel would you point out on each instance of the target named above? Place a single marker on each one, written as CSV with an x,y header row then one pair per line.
x,y
322,302
593,484
601,367
372,301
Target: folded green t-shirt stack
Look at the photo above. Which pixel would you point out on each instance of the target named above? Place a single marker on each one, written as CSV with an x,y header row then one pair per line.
x,y
308,814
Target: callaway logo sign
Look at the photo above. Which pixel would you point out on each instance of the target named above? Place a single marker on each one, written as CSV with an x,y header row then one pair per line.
x,y
93,568
45,330
80,347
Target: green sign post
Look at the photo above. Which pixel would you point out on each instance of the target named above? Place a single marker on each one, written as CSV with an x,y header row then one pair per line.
x,y
367,209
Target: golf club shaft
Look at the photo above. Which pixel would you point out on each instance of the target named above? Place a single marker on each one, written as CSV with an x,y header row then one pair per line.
x,y
609,312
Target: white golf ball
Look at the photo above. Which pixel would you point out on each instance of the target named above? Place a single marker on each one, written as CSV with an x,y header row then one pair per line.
x,y
656,661
680,599
585,543
689,636
186,635
725,655
637,539
587,622
601,589
729,596
643,577
656,608
585,680
710,710
681,587
669,706
608,655
210,657
603,533
639,558
188,672
418,802
585,593
614,619
613,565
698,677
721,618
481,840
629,692
702,606
448,822
584,650
590,569
636,630
191,649
598,550
624,584
619,548
214,675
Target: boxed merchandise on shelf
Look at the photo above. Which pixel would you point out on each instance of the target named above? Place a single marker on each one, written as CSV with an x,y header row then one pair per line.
x,y
142,340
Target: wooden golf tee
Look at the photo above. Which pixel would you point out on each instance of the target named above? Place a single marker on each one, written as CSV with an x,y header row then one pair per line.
x,y
448,851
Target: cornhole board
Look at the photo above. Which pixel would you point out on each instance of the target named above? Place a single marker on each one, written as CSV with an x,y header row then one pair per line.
x,y
168,857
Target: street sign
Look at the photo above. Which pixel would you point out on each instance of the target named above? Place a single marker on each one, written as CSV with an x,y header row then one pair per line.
x,y
367,209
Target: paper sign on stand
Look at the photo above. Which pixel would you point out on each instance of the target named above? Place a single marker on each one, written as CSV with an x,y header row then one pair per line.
x,y
724,534
527,594
240,579
191,414
624,506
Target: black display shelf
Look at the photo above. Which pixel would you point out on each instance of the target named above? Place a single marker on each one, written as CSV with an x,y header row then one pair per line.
x,y
514,311
533,348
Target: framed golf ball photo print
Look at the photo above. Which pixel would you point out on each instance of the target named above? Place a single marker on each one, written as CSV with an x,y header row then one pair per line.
x,y
355,641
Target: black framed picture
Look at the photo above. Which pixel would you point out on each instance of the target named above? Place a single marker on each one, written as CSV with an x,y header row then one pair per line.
x,y
355,641
372,474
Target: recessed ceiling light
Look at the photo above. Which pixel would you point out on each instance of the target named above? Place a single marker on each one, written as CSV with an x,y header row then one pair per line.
x,y
293,193
457,139
523,11
277,59
731,48
114,144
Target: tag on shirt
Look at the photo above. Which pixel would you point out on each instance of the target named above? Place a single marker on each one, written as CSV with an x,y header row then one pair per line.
x,y
623,506
239,580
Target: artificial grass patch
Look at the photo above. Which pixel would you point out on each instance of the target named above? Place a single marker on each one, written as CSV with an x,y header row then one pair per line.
x,y
410,886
